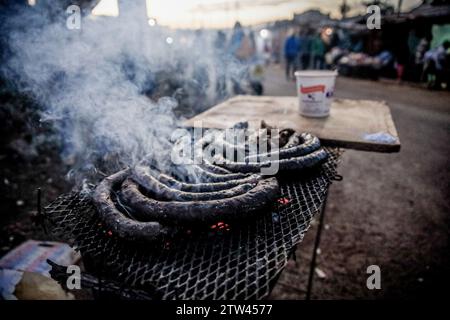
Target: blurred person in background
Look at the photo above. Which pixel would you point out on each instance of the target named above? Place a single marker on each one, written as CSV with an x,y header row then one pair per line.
x,y
291,53
419,57
199,80
386,64
255,66
219,53
236,39
277,43
242,50
267,52
234,48
305,50
436,65
401,60
318,52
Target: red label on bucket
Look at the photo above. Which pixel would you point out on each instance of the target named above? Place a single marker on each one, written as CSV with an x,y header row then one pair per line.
x,y
318,88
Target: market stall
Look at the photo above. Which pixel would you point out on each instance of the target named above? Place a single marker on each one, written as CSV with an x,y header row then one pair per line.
x,y
235,258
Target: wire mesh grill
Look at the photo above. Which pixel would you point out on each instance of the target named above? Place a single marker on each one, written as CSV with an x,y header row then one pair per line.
x,y
240,263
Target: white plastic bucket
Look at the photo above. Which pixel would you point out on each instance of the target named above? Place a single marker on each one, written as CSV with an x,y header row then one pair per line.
x,y
315,90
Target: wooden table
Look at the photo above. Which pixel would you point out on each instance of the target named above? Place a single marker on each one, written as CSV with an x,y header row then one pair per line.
x,y
352,124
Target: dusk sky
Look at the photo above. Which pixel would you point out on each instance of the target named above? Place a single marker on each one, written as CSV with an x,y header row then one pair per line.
x,y
223,13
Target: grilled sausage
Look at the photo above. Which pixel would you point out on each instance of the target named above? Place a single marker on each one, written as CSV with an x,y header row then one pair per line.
x,y
147,179
309,143
246,204
174,183
208,166
284,136
115,220
297,163
205,175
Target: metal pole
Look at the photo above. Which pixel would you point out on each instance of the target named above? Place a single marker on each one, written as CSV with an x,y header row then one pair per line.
x,y
399,7
40,215
316,246
39,211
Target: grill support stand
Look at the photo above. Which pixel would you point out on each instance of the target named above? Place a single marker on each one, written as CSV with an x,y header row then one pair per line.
x,y
312,267
73,220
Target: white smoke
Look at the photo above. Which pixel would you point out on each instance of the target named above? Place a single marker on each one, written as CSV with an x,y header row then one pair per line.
x,y
91,82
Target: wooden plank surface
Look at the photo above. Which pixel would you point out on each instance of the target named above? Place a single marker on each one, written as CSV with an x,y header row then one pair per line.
x,y
353,124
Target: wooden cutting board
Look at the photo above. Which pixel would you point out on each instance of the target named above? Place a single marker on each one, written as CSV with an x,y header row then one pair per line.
x,y
353,124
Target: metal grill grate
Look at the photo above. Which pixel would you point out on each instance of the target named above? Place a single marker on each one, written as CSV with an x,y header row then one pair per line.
x,y
240,263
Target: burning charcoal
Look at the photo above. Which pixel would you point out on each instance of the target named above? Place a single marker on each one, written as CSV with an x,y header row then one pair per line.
x,y
284,201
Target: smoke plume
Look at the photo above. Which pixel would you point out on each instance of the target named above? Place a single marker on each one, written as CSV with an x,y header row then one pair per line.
x,y
94,83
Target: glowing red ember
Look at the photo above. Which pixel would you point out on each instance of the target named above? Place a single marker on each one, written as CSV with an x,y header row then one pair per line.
x,y
220,226
284,200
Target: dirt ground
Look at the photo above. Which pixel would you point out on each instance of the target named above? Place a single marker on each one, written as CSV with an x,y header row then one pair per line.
x,y
28,160
391,210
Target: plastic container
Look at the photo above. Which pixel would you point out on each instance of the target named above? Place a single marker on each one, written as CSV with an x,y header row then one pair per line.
x,y
315,90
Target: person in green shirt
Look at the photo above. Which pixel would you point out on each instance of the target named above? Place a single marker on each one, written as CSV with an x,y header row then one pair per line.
x,y
318,52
